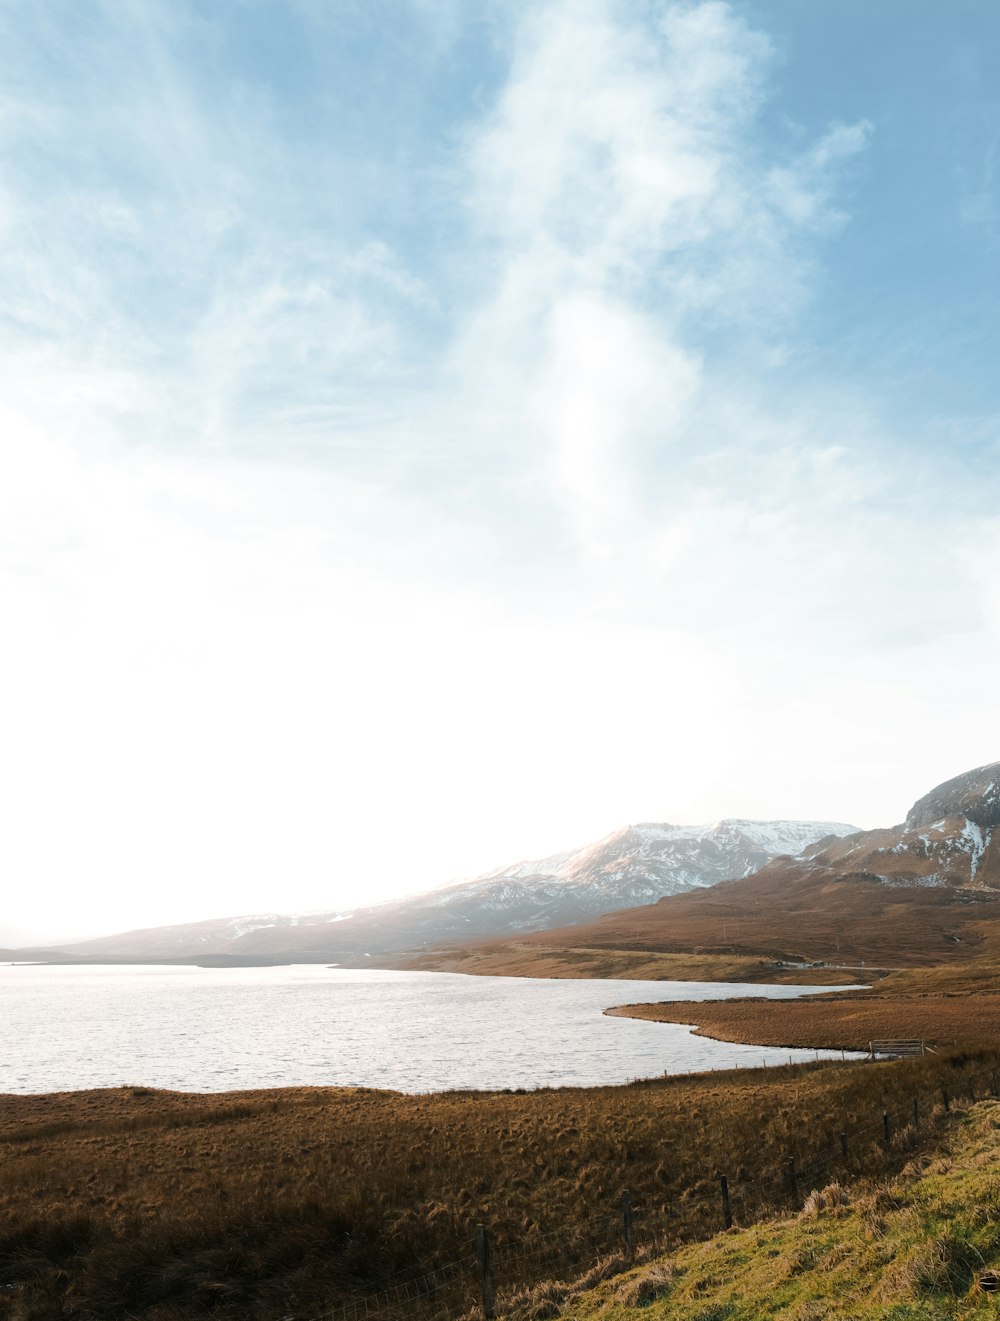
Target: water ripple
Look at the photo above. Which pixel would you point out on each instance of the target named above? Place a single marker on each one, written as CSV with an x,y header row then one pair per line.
x,y
215,1029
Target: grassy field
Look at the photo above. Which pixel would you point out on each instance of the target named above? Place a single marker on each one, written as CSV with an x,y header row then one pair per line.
x,y
913,1249
130,1203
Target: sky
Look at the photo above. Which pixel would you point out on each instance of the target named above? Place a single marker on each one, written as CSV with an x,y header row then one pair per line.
x,y
437,433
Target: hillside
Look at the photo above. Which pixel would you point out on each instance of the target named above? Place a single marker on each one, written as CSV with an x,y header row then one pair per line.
x,y
914,1249
635,865
925,891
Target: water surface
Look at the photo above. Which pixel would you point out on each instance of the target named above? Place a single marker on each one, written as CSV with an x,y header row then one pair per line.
x,y
217,1029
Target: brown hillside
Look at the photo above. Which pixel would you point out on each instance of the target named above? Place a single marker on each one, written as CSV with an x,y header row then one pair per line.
x,y
796,909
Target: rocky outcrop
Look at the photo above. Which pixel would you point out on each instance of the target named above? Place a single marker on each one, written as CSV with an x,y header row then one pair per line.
x,y
974,795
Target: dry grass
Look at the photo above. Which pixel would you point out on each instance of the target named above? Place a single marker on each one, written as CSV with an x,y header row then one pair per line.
x,y
974,977
846,1021
139,1204
914,1249
826,1201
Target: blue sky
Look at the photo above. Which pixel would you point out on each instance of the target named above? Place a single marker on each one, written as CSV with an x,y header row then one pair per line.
x,y
910,286
436,433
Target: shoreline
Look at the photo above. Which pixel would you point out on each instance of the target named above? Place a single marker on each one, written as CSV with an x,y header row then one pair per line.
x,y
699,1030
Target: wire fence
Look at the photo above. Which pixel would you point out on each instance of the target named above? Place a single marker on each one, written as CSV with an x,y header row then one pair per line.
x,y
496,1279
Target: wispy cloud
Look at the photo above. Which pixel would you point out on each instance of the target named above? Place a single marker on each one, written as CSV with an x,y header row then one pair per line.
x,y
646,254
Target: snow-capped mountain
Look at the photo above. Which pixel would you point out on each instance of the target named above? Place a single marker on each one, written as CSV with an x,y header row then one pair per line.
x,y
636,865
925,890
642,863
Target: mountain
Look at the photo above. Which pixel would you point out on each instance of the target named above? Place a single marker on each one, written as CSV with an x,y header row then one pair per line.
x,y
641,863
974,796
949,840
635,865
924,890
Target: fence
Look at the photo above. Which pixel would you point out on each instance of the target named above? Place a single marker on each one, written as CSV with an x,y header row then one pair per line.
x,y
897,1049
491,1280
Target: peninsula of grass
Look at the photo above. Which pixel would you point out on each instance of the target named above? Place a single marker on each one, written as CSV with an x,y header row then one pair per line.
x,y
847,1022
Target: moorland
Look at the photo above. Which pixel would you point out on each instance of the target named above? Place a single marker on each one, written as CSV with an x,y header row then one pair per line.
x,y
131,1203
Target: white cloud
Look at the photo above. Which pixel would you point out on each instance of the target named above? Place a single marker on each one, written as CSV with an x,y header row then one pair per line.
x,y
610,391
629,215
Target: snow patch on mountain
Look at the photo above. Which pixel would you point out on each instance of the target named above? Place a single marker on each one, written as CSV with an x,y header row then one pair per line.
x,y
637,865
956,851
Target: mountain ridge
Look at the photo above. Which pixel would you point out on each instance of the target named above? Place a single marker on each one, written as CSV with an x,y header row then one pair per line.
x,y
634,865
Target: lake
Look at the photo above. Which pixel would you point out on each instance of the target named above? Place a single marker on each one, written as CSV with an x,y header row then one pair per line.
x,y
220,1029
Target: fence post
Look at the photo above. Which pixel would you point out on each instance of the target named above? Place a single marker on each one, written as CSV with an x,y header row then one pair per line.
x,y
484,1260
945,1098
727,1214
885,1126
793,1178
972,1087
916,1115
843,1146
628,1224
993,1080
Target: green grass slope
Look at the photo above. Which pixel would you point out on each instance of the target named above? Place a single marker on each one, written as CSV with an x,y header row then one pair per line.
x,y
910,1250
